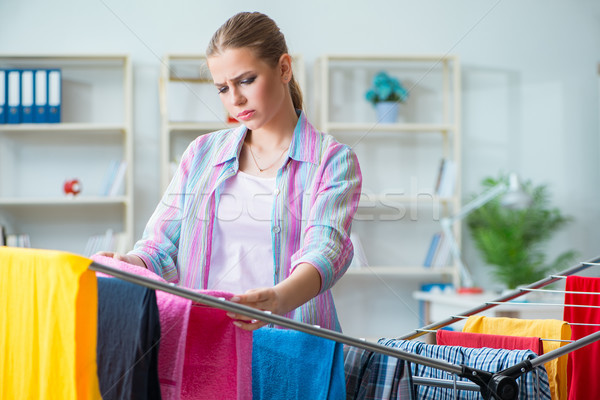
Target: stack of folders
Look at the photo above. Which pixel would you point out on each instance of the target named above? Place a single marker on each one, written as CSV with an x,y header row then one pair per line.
x,y
30,96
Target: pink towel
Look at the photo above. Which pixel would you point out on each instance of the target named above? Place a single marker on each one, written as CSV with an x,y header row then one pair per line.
x,y
202,354
478,340
174,312
218,356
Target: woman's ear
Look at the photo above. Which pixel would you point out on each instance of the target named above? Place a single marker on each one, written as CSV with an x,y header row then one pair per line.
x,y
285,67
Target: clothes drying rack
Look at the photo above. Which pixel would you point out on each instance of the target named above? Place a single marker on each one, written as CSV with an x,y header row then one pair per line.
x,y
501,385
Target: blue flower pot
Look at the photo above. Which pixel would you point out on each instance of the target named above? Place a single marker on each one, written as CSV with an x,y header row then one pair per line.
x,y
387,111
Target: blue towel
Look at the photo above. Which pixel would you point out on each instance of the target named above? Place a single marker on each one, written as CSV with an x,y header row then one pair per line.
x,y
289,364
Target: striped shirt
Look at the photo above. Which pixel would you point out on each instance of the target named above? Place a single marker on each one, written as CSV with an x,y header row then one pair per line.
x,y
532,385
316,195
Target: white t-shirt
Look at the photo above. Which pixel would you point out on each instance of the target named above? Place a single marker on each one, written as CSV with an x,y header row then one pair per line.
x,y
242,251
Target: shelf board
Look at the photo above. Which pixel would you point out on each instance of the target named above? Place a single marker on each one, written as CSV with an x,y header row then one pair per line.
x,y
407,271
199,126
65,127
382,199
386,127
387,57
62,201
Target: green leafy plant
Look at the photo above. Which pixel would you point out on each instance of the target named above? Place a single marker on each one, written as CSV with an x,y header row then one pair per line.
x,y
386,88
512,240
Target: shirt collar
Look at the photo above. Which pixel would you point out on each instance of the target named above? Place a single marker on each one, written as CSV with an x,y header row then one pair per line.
x,y
304,141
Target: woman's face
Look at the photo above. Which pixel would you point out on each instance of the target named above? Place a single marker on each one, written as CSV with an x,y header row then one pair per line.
x,y
253,92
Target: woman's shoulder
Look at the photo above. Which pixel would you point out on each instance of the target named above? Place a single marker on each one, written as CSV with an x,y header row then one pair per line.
x,y
213,141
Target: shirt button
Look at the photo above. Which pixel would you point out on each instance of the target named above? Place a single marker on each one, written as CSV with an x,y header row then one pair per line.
x,y
276,192
276,229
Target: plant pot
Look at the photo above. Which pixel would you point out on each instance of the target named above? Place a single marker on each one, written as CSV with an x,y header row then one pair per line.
x,y
387,111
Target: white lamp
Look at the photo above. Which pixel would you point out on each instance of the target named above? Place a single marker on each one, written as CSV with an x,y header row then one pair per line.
x,y
514,198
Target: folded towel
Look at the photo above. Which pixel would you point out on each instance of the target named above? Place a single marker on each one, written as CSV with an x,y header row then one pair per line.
x,y
295,365
48,325
174,312
479,340
218,355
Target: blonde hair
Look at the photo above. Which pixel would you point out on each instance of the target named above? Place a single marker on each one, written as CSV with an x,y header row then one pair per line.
x,y
259,33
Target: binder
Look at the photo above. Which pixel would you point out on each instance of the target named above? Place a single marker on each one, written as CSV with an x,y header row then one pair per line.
x,y
2,96
40,107
27,94
13,97
54,95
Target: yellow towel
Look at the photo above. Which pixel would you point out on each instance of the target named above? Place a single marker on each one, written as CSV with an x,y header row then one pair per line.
x,y
543,328
48,322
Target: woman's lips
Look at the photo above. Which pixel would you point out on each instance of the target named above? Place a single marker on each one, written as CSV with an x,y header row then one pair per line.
x,y
245,115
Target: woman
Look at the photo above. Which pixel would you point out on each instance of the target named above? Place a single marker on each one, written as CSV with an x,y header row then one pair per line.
x,y
263,210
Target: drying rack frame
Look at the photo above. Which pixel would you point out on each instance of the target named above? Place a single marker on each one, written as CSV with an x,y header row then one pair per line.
x,y
500,385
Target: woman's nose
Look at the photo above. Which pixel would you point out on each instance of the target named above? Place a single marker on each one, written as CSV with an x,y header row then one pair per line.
x,y
237,98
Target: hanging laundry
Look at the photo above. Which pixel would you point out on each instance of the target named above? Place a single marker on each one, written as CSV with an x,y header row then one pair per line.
x,y
584,364
48,325
543,328
289,364
486,359
174,313
376,376
128,341
479,340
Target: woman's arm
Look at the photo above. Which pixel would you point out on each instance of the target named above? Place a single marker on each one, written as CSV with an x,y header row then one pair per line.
x,y
303,284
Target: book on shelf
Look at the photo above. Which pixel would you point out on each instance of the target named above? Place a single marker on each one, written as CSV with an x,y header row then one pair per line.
x,y
446,179
21,240
442,255
433,245
107,241
438,253
114,179
2,235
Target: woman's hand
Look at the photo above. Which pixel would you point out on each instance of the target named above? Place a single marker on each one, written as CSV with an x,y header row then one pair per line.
x,y
303,284
265,299
128,258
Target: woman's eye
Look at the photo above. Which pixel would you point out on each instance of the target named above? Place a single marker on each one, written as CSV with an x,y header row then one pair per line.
x,y
248,81
222,90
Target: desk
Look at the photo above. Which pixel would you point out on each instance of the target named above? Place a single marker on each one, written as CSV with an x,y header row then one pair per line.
x,y
439,305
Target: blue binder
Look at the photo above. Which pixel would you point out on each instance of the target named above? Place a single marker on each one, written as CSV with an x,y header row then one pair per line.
x,y
2,96
54,95
13,96
40,107
27,95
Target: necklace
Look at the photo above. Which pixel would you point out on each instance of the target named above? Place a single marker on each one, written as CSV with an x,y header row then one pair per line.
x,y
266,168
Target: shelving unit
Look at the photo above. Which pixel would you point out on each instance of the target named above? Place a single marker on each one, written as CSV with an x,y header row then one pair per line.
x,y
190,105
399,211
36,159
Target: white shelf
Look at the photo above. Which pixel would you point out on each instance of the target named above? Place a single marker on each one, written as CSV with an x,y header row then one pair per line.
x,y
73,128
65,201
397,128
36,159
401,271
399,211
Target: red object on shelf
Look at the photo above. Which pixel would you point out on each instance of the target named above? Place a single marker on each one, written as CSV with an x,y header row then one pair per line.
x,y
72,187
469,290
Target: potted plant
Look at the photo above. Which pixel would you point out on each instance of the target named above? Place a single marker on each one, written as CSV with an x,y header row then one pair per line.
x,y
386,94
511,240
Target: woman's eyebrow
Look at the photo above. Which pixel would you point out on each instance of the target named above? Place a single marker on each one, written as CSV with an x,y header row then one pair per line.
x,y
237,78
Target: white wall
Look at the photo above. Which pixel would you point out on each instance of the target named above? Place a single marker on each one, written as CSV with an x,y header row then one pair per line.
x,y
530,75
